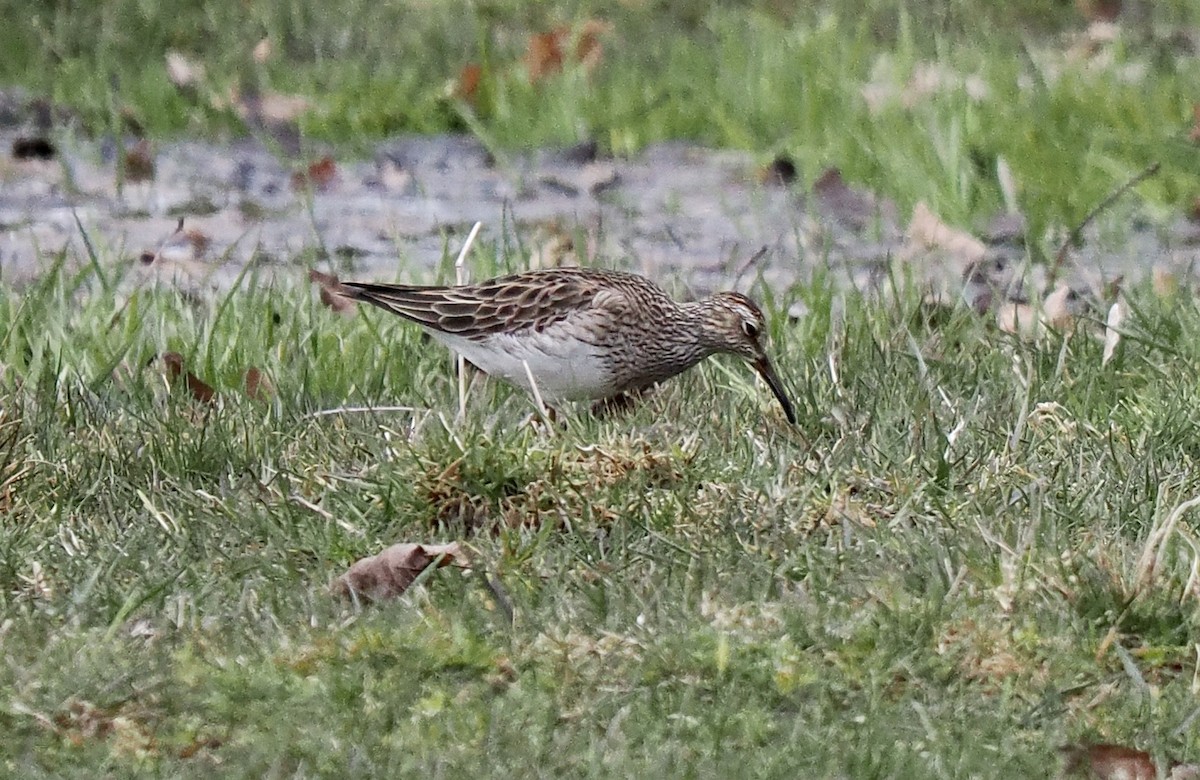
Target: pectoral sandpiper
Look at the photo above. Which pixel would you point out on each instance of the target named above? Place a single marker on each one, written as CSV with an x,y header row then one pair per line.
x,y
580,333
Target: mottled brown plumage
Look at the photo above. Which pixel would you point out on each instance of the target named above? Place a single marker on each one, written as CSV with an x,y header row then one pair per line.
x,y
581,333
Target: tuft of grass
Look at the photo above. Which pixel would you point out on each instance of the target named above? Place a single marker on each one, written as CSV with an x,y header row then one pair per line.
x,y
938,573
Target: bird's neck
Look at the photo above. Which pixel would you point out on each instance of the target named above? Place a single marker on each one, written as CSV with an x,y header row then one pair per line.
x,y
700,328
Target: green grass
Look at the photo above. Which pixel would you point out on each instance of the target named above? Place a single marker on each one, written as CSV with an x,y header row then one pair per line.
x,y
923,579
696,588
759,75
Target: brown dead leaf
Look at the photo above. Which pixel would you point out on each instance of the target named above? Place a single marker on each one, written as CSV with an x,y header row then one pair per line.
x,y
543,54
1107,762
319,176
33,148
466,86
545,51
330,291
139,162
926,231
589,50
197,388
390,573
258,386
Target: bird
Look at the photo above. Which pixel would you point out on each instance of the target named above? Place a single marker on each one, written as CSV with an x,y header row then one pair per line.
x,y
573,334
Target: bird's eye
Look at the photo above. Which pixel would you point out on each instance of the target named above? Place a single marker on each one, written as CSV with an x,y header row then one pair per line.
x,y
750,329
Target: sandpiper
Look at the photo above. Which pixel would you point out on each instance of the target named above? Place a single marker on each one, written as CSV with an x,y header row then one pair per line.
x,y
580,333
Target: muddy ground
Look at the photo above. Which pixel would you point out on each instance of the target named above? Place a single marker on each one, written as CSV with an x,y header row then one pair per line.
x,y
696,219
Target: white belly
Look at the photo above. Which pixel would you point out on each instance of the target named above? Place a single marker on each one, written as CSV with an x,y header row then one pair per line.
x,y
564,369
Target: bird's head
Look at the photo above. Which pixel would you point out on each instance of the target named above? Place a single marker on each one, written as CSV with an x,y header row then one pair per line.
x,y
734,324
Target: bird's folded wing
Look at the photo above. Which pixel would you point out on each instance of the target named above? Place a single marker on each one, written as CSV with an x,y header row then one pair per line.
x,y
501,306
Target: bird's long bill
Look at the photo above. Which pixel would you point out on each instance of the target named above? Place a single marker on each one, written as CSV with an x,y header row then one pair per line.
x,y
767,372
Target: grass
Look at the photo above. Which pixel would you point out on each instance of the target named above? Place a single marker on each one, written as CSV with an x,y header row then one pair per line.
x,y
938,573
758,75
935,574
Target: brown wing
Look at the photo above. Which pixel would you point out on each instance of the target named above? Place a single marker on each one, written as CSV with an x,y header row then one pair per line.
x,y
535,299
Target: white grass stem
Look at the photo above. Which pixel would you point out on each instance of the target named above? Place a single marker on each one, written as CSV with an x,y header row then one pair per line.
x,y
1152,556
460,278
365,409
537,395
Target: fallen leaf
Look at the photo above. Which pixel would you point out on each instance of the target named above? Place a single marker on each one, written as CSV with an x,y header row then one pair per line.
x,y
181,255
545,51
1020,319
35,148
1112,330
197,388
139,162
543,54
589,50
330,292
391,572
1059,307
1107,762
258,386
780,170
466,86
926,232
393,176
262,51
319,175
182,72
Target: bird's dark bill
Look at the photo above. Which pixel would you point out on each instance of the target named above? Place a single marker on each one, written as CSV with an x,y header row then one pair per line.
x,y
767,372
